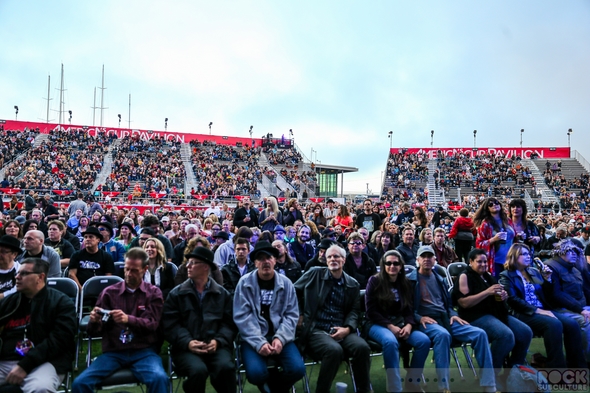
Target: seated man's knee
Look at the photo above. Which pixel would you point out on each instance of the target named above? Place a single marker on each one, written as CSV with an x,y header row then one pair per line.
x,y
332,353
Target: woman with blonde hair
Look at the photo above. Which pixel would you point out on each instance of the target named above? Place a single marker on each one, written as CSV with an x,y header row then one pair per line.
x,y
271,216
159,273
207,225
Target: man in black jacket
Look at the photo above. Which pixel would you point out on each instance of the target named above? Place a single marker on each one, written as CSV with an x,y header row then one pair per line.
x,y
201,328
329,300
246,216
237,265
38,329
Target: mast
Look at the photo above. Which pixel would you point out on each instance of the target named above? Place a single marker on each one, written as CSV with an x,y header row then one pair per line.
x,y
102,88
48,92
61,95
129,123
94,109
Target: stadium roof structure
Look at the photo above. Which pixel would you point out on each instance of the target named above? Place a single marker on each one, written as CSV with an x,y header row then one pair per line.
x,y
337,168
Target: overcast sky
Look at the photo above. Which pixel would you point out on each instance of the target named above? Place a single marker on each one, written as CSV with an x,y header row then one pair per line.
x,y
341,74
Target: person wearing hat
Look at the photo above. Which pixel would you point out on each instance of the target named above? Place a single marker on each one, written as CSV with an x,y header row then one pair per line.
x,y
131,336
238,265
126,234
9,250
200,328
319,259
433,311
279,233
219,238
33,243
330,211
91,260
110,245
266,314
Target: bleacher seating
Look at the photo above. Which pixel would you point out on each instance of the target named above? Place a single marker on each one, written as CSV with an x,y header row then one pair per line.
x,y
65,161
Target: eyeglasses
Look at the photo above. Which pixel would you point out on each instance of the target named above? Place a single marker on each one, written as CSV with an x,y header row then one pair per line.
x,y
25,273
492,203
356,243
102,229
143,239
389,263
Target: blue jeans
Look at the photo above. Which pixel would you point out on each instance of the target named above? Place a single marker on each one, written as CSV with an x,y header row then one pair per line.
x,y
513,338
418,340
257,372
441,340
145,364
584,327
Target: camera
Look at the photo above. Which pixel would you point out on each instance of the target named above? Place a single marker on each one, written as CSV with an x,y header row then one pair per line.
x,y
332,331
106,315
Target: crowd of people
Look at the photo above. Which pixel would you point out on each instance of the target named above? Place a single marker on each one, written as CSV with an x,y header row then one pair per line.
x,y
14,143
225,171
156,164
67,160
267,267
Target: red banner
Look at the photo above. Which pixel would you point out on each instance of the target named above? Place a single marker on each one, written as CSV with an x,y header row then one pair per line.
x,y
62,192
182,137
10,191
525,152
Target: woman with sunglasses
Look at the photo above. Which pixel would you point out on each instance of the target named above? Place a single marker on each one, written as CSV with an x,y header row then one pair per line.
x,y
390,318
528,293
494,234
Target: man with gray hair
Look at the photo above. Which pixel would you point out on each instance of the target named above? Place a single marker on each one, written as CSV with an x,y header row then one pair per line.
x,y
329,301
33,243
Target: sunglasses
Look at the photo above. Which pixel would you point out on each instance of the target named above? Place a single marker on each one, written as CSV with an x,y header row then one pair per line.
x,y
356,243
388,263
492,203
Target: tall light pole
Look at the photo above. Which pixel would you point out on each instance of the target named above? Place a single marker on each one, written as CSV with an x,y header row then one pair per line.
x,y
431,139
569,132
16,112
119,115
521,132
390,136
166,124
210,124
70,119
474,139
316,154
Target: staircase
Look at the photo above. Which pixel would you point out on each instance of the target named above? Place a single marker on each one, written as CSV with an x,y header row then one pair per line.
x,y
107,165
547,194
191,181
436,196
